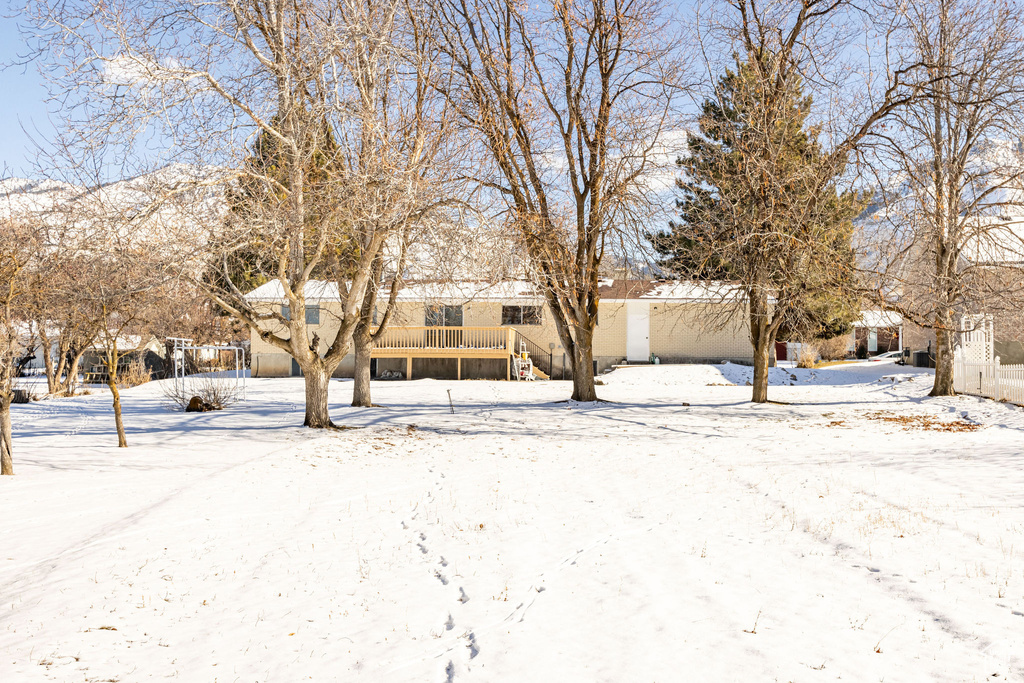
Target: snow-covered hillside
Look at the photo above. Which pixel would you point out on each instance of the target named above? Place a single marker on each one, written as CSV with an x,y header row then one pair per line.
x,y
171,206
853,531
992,203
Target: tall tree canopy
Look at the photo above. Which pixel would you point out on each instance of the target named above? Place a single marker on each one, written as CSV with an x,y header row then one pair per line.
x,y
761,207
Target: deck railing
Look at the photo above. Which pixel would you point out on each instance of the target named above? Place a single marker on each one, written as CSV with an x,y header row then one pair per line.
x,y
447,338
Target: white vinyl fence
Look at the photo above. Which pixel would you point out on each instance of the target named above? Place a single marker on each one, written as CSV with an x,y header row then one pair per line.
x,y
992,380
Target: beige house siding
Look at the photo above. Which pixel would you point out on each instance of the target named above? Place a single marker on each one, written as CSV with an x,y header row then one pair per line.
x,y
270,361
610,334
918,338
407,314
682,332
676,334
609,337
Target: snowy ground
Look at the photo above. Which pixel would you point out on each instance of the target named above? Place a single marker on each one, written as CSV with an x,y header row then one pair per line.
x,y
678,533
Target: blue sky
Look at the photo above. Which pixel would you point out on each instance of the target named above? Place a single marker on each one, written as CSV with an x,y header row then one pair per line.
x,y
22,104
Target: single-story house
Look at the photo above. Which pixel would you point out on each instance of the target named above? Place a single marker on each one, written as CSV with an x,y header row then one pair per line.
x,y
877,332
131,348
471,329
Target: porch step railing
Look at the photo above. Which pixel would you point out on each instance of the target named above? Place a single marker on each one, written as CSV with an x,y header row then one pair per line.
x,y
541,357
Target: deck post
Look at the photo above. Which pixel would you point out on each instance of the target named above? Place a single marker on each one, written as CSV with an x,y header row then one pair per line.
x,y
508,368
458,366
408,367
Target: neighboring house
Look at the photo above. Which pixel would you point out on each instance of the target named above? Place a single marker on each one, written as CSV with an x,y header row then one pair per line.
x,y
131,348
93,362
471,329
29,341
990,242
877,332
1007,330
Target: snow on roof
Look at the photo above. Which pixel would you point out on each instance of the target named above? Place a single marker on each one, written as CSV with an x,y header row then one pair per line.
x,y
467,290
315,290
693,291
879,319
517,290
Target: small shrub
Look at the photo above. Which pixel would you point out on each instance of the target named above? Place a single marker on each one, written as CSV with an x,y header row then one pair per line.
x,y
214,392
807,357
862,351
834,348
134,374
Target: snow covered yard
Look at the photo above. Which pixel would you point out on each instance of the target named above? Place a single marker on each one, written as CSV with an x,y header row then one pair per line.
x,y
856,532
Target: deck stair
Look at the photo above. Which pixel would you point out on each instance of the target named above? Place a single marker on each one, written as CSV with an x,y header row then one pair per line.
x,y
523,367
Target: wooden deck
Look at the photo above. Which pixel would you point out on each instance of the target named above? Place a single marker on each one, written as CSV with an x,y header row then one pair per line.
x,y
448,342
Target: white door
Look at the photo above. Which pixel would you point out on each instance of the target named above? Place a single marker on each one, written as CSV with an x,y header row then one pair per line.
x,y
638,331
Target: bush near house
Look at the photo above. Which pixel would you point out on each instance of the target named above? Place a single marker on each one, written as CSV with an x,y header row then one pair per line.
x,y
834,348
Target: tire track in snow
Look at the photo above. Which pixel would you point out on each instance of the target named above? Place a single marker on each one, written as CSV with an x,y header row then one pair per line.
x,y
894,584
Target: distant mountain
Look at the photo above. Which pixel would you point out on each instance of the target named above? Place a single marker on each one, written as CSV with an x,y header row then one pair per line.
x,y
173,206
993,199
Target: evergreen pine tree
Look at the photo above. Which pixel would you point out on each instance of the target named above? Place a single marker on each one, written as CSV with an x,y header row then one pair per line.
x,y
760,206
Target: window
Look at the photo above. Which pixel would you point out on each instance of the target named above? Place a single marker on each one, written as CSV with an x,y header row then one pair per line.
x,y
312,314
873,340
444,316
520,315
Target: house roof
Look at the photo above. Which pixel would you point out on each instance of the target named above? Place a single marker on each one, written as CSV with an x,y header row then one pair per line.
x,y
518,290
879,319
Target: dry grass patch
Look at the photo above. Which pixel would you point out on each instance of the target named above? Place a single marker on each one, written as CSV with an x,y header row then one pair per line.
x,y
830,363
925,422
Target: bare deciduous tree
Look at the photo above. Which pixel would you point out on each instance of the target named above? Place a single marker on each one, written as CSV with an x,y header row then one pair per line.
x,y
18,245
317,105
364,336
64,325
570,103
123,292
947,238
114,242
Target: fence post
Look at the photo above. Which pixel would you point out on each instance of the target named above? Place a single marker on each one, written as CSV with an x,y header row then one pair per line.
x,y
995,376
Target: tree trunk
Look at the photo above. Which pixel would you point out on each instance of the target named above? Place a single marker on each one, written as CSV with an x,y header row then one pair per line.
x,y
60,382
318,415
762,361
6,458
362,346
762,340
52,372
70,380
122,440
583,388
943,384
